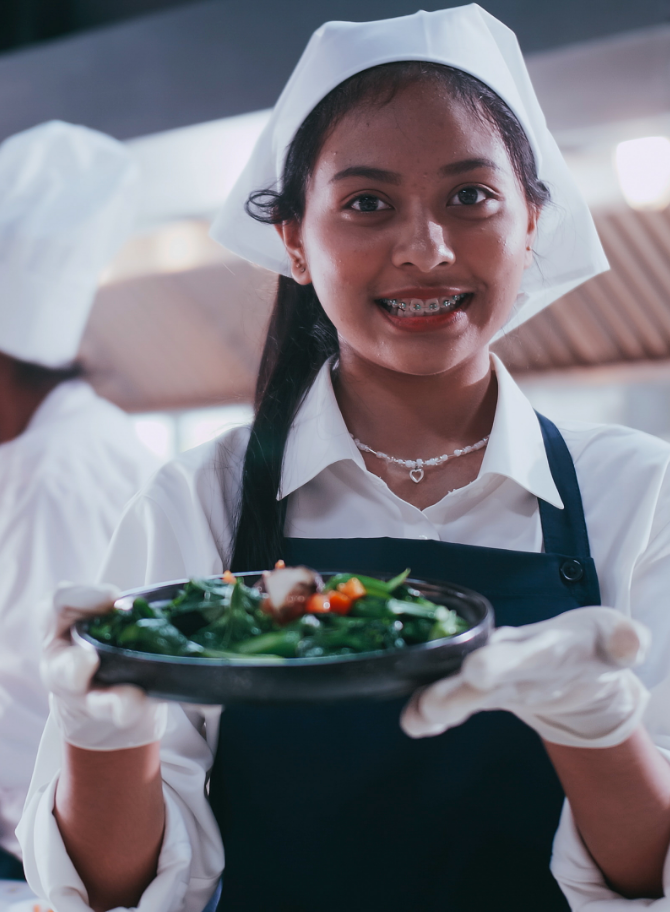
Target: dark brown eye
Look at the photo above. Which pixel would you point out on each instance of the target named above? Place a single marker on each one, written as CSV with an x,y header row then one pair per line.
x,y
468,196
368,203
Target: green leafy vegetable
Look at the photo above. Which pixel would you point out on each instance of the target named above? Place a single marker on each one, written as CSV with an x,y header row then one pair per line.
x,y
213,618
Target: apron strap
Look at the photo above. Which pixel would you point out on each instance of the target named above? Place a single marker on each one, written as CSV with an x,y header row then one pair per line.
x,y
564,530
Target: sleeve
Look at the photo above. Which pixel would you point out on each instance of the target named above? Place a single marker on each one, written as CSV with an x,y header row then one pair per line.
x,y
191,859
177,528
144,548
164,534
582,881
573,867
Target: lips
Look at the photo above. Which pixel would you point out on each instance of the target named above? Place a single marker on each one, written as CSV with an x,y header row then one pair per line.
x,y
418,307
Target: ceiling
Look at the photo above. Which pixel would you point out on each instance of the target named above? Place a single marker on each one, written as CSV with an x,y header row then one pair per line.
x,y
205,60
539,23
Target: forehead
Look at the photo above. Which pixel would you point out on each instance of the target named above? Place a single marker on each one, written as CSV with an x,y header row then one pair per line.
x,y
422,126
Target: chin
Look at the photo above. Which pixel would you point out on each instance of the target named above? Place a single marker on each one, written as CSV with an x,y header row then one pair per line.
x,y
421,366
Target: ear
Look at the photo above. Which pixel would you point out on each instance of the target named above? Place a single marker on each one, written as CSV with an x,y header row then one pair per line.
x,y
291,235
533,218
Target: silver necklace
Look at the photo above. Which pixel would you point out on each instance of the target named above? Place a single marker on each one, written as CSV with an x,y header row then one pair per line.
x,y
415,466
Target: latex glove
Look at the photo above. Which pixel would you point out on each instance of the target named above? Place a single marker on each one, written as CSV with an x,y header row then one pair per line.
x,y
111,718
568,678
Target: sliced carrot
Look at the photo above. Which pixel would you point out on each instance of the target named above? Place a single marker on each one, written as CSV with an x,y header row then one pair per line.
x,y
353,588
319,603
228,577
340,603
280,565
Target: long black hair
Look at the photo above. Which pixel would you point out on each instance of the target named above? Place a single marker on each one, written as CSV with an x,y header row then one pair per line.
x,y
300,336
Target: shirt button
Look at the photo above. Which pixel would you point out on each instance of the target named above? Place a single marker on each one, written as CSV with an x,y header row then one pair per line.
x,y
571,571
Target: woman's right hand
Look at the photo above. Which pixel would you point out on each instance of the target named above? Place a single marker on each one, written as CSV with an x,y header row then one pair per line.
x,y
99,719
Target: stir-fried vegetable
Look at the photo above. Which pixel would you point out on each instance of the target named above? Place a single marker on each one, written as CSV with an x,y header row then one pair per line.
x,y
289,614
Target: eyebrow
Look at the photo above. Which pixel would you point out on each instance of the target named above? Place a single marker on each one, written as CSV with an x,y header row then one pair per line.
x,y
468,164
376,174
392,177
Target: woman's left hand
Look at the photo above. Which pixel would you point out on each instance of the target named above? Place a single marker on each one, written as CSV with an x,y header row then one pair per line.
x,y
569,678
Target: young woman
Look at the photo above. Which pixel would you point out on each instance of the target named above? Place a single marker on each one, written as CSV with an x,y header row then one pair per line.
x,y
409,193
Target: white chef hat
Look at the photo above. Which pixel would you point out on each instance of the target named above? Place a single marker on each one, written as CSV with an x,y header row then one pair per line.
x,y
66,206
467,38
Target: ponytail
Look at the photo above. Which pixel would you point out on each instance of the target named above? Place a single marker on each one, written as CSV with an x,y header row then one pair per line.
x,y
300,339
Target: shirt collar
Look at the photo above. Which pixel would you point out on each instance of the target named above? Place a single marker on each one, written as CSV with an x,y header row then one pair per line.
x,y
516,447
319,438
63,399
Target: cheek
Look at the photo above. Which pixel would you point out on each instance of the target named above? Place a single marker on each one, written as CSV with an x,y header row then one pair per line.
x,y
501,254
341,261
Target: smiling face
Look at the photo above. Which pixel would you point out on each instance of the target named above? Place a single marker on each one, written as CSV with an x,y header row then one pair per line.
x,y
416,232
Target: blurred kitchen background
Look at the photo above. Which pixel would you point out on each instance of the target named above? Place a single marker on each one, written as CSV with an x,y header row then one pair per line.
x,y
176,330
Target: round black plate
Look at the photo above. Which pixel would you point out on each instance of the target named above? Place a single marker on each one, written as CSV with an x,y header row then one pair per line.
x,y
372,675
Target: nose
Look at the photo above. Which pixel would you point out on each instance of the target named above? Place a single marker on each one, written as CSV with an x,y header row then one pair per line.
x,y
423,244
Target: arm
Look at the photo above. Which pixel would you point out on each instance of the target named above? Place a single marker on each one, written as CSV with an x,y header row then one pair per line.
x,y
620,800
569,678
114,844
191,854
182,865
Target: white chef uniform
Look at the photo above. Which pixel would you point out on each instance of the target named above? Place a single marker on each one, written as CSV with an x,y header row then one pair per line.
x,y
67,202
63,485
180,526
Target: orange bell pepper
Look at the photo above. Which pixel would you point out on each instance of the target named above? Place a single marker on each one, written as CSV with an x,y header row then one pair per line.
x,y
353,588
319,603
326,602
340,603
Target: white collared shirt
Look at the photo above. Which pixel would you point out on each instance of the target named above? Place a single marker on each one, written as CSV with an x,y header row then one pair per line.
x,y
181,526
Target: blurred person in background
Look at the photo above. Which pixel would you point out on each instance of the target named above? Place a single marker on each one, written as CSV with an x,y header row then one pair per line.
x,y
69,460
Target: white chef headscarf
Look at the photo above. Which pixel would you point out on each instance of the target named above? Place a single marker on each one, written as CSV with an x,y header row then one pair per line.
x,y
67,203
467,38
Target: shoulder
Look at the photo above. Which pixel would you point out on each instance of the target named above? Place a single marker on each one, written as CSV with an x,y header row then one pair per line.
x,y
85,449
214,467
83,429
182,522
624,480
614,448
203,483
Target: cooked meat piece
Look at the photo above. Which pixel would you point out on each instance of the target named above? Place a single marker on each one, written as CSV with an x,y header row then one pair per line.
x,y
288,591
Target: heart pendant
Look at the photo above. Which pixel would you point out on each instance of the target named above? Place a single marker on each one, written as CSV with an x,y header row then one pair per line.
x,y
416,475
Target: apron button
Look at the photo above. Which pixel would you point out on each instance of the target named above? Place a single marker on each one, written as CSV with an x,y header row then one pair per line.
x,y
571,571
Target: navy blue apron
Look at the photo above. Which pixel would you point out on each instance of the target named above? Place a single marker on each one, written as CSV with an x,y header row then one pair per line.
x,y
333,808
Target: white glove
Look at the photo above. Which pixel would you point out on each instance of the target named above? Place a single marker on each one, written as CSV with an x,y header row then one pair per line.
x,y
111,718
568,678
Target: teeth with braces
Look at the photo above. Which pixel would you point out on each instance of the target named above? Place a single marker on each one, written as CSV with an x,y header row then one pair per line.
x,y
414,307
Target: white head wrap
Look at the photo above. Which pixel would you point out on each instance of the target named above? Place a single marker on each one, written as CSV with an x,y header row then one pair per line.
x,y
66,206
467,38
